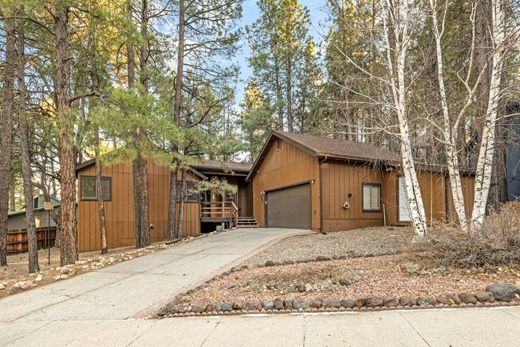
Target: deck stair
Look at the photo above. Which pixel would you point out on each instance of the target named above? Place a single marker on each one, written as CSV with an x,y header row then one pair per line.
x,y
247,222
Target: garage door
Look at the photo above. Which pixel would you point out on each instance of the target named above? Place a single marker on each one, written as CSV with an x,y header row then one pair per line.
x,y
289,207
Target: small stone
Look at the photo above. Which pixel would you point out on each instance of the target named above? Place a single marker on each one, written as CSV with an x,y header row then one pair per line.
x,y
484,296
268,304
347,303
316,303
332,303
211,308
374,301
2,287
300,304
24,284
80,262
308,287
197,308
503,291
38,278
391,301
251,306
269,263
238,305
224,307
300,287
360,302
454,298
278,304
345,282
422,301
468,298
288,304
406,301
443,299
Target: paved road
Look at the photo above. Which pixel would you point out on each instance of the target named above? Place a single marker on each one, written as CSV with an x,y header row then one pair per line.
x,y
102,308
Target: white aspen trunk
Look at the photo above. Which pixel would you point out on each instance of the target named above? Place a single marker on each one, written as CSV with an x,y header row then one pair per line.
x,y
450,137
486,152
398,15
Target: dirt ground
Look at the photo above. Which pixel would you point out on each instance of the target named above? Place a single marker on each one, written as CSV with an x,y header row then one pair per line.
x,y
370,241
15,277
382,276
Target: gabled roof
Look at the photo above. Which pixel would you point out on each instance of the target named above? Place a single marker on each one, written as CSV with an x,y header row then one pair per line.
x,y
330,148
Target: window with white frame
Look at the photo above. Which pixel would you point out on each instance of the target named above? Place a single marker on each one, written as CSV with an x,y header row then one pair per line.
x,y
371,197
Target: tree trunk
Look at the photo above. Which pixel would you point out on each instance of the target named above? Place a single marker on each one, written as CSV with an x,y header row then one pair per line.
x,y
396,18
279,98
6,135
450,136
487,147
32,240
172,202
289,95
68,247
12,194
180,219
130,50
99,192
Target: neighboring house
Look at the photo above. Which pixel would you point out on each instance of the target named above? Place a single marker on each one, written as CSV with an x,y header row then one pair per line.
x,y
304,181
201,212
297,181
16,220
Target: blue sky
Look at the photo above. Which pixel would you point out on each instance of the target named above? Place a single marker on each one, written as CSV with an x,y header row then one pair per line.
x,y
251,13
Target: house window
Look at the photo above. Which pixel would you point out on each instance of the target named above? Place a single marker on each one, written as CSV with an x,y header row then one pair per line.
x,y
371,197
89,191
192,194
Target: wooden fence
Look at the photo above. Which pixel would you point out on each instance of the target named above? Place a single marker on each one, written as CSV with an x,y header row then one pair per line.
x,y
17,239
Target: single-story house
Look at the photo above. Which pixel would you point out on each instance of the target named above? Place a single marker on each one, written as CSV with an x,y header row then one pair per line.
x,y
16,219
201,212
323,184
297,181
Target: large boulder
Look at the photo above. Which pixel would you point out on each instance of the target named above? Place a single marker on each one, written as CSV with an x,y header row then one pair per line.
x,y
503,291
300,304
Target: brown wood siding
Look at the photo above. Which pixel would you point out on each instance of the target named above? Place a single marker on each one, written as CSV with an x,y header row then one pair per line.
x,y
282,167
468,190
341,179
119,210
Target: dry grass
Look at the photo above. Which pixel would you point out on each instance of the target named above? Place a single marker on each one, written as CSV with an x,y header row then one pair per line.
x,y
497,243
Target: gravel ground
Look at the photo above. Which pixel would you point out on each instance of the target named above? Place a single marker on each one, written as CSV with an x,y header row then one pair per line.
x,y
352,243
382,276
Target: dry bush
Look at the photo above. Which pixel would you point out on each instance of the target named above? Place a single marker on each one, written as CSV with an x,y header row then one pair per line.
x,y
496,244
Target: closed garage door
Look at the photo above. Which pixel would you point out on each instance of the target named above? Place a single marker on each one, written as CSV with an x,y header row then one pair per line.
x,y
290,207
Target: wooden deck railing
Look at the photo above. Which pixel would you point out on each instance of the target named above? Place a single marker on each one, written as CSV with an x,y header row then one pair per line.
x,y
219,211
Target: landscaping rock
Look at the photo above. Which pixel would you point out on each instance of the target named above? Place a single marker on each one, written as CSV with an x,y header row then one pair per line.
x,y
484,296
391,301
288,304
308,287
251,306
238,305
300,304
268,304
270,263
332,303
345,282
224,307
360,302
374,301
300,287
24,285
503,291
2,287
38,278
410,268
422,301
407,301
322,258
347,303
316,303
454,298
468,298
278,304
443,299
197,308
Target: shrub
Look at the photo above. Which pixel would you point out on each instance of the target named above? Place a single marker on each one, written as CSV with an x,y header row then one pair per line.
x,y
497,243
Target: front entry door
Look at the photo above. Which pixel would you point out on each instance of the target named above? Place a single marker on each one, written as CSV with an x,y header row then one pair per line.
x,y
404,213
